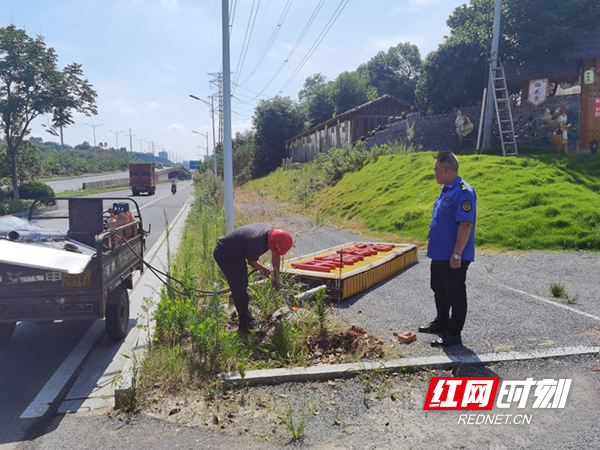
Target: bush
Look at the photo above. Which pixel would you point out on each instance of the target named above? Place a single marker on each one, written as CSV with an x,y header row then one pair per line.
x,y
14,206
35,190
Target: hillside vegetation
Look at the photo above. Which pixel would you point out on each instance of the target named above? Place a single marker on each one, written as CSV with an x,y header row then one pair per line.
x,y
529,202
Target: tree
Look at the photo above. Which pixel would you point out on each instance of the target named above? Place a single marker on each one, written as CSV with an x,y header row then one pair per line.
x,y
74,94
394,72
455,74
31,85
316,100
275,120
244,149
29,162
350,90
445,84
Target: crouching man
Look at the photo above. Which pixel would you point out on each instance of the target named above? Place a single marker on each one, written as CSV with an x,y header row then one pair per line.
x,y
247,244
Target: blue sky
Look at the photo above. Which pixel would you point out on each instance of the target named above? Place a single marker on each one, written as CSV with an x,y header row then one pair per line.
x,y
144,57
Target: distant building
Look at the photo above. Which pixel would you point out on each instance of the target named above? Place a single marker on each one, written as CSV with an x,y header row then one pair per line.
x,y
345,128
186,164
164,155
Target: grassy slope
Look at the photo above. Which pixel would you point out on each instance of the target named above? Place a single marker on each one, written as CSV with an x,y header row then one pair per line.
x,y
530,202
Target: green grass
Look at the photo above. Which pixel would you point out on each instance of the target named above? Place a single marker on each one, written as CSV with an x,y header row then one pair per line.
x,y
82,192
194,338
535,201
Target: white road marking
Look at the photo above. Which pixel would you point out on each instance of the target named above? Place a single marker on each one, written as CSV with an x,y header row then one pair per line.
x,y
550,302
166,195
57,384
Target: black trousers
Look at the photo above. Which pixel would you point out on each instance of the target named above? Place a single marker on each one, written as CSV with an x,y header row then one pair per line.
x,y
450,292
236,272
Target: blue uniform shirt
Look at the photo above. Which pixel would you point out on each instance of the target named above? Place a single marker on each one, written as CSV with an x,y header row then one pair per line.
x,y
456,203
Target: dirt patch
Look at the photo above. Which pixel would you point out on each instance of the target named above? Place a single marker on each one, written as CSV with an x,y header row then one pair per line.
x,y
331,346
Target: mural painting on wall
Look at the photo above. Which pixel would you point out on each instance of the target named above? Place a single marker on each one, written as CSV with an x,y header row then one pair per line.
x,y
539,90
560,139
540,130
410,131
464,126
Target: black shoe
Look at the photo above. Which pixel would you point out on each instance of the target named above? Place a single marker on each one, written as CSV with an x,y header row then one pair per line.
x,y
432,328
447,340
249,328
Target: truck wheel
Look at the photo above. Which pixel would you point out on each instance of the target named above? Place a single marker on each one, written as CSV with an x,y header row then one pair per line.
x,y
153,191
117,314
6,331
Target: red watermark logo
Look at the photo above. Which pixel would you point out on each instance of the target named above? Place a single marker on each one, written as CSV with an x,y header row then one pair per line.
x,y
455,393
479,393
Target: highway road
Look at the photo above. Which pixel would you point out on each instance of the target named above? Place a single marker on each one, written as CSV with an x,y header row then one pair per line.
x,y
35,352
75,183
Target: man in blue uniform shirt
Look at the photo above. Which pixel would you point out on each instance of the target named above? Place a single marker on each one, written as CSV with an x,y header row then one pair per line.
x,y
451,249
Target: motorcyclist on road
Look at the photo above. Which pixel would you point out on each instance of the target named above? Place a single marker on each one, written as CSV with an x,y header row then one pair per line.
x,y
173,186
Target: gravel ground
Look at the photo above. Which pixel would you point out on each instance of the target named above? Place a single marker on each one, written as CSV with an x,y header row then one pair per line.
x,y
379,411
345,415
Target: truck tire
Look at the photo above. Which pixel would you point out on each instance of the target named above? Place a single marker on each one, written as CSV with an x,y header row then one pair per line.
x,y
152,191
6,331
117,314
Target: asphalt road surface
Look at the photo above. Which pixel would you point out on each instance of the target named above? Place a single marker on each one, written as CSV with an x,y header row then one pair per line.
x,y
75,183
35,352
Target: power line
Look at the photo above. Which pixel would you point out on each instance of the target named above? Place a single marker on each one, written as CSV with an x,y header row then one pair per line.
x,y
212,32
232,9
247,37
328,26
284,14
293,50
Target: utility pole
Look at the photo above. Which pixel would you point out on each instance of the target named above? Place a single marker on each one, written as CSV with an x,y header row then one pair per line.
x,y
94,128
490,107
228,161
141,149
131,141
116,133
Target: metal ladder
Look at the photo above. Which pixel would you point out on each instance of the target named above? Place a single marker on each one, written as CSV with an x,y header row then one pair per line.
x,y
504,116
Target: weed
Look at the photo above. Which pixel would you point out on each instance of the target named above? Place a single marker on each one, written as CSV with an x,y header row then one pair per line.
x,y
295,427
128,399
321,311
558,290
571,299
320,219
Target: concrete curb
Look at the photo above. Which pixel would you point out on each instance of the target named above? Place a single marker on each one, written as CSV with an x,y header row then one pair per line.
x,y
25,213
319,373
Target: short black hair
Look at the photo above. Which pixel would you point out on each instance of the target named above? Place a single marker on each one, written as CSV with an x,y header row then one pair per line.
x,y
448,159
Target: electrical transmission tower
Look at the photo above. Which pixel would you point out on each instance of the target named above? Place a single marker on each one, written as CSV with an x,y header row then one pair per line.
x,y
217,82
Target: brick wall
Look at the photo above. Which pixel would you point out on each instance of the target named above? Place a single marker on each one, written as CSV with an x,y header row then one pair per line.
x,y
438,132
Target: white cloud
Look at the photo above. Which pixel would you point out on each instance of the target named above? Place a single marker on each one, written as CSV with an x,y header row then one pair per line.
x,y
417,5
169,75
152,105
123,107
385,42
176,127
170,4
